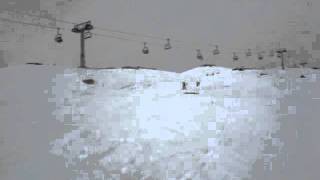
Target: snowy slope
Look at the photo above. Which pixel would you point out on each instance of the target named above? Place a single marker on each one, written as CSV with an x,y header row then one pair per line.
x,y
165,133
139,124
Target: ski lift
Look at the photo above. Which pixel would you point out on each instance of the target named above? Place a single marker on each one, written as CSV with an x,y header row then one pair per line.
x,y
167,46
280,52
58,37
260,56
235,57
145,49
216,50
248,53
199,55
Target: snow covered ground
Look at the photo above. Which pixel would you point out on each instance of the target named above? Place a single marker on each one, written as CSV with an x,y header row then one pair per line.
x,y
139,124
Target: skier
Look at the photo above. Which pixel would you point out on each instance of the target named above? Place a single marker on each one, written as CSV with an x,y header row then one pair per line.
x,y
198,83
184,85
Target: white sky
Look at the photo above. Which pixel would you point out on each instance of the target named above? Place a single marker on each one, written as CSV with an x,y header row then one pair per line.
x,y
233,25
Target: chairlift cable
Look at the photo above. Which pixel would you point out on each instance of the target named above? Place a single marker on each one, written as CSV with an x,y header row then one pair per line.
x,y
101,28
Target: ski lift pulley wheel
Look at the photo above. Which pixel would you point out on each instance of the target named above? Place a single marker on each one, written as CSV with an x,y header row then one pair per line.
x,y
87,34
75,30
88,27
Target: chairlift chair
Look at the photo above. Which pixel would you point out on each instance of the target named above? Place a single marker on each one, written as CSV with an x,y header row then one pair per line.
x,y
248,53
260,56
235,57
145,49
199,55
216,51
58,37
167,46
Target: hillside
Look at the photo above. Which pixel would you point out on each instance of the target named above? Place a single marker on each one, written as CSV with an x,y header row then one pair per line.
x,y
140,124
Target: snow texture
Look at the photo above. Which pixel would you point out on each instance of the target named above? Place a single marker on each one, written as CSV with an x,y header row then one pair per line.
x,y
139,124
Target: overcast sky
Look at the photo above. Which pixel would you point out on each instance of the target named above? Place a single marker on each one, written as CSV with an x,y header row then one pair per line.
x,y
233,25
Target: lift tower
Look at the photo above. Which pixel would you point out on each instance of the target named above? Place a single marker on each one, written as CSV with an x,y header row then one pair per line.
x,y
281,52
84,30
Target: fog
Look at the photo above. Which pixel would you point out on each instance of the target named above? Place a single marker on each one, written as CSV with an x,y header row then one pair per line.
x,y
233,25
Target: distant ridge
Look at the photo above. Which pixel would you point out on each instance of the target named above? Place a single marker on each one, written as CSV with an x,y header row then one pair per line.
x,y
34,63
137,67
100,68
241,69
207,65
